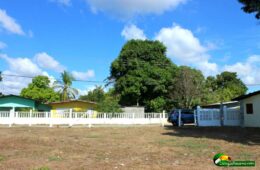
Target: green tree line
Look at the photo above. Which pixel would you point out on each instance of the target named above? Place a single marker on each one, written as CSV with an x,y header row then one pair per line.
x,y
142,75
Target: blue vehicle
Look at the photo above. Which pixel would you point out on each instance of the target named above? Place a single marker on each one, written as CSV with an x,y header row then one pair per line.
x,y
187,116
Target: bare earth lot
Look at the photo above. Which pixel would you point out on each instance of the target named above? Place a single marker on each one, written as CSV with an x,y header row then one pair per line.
x,y
141,147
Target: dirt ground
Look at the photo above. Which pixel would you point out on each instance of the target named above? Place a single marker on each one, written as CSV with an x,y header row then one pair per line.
x,y
140,147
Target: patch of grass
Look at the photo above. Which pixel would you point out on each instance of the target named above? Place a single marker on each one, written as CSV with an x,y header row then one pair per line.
x,y
55,158
43,168
166,142
216,148
100,156
245,155
93,136
2,158
190,144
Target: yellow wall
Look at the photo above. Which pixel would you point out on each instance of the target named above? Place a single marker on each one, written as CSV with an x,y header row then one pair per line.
x,y
77,106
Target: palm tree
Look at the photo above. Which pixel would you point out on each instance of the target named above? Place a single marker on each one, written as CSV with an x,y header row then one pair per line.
x,y
64,86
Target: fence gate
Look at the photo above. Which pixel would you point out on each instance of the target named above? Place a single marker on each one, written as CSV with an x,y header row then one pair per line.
x,y
212,117
232,116
208,117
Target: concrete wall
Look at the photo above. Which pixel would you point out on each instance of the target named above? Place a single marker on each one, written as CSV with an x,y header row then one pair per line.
x,y
252,120
133,110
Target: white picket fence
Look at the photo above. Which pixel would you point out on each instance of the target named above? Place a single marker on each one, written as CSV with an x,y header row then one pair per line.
x,y
213,117
79,118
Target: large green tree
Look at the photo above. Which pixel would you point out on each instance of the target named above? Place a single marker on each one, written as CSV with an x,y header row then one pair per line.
x,y
96,95
64,86
142,74
187,87
223,87
40,90
109,104
251,6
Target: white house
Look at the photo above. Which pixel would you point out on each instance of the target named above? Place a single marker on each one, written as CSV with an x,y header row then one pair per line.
x,y
250,109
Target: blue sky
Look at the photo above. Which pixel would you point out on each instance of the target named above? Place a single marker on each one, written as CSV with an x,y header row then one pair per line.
x,y
85,36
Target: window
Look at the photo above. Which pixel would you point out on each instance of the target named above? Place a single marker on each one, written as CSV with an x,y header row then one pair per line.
x,y
249,108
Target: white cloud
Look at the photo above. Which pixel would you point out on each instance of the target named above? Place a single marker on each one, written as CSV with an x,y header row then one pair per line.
x,y
63,2
46,61
85,91
182,44
248,71
51,78
183,47
130,8
17,66
9,23
13,85
83,75
133,32
2,45
22,66
207,68
26,67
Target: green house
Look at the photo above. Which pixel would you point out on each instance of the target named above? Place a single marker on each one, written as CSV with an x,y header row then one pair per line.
x,y
19,103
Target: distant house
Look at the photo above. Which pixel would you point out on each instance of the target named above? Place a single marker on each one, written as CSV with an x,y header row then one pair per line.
x,y
250,109
75,105
133,109
18,103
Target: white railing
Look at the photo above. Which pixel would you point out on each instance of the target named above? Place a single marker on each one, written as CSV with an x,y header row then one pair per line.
x,y
4,114
76,118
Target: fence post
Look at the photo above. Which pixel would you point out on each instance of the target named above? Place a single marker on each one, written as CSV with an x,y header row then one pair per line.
x,y
30,118
179,118
224,115
105,118
197,115
70,118
50,118
163,116
11,116
90,119
221,113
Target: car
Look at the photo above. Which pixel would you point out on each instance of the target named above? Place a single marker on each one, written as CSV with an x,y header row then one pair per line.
x,y
187,116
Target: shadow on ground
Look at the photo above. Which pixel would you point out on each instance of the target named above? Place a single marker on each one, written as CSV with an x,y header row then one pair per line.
x,y
248,136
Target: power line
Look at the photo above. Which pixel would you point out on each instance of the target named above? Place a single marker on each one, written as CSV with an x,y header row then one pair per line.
x,y
31,77
89,81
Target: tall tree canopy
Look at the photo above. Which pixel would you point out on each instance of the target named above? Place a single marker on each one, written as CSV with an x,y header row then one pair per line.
x,y
251,6
109,104
96,95
187,87
40,90
64,86
224,87
142,74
